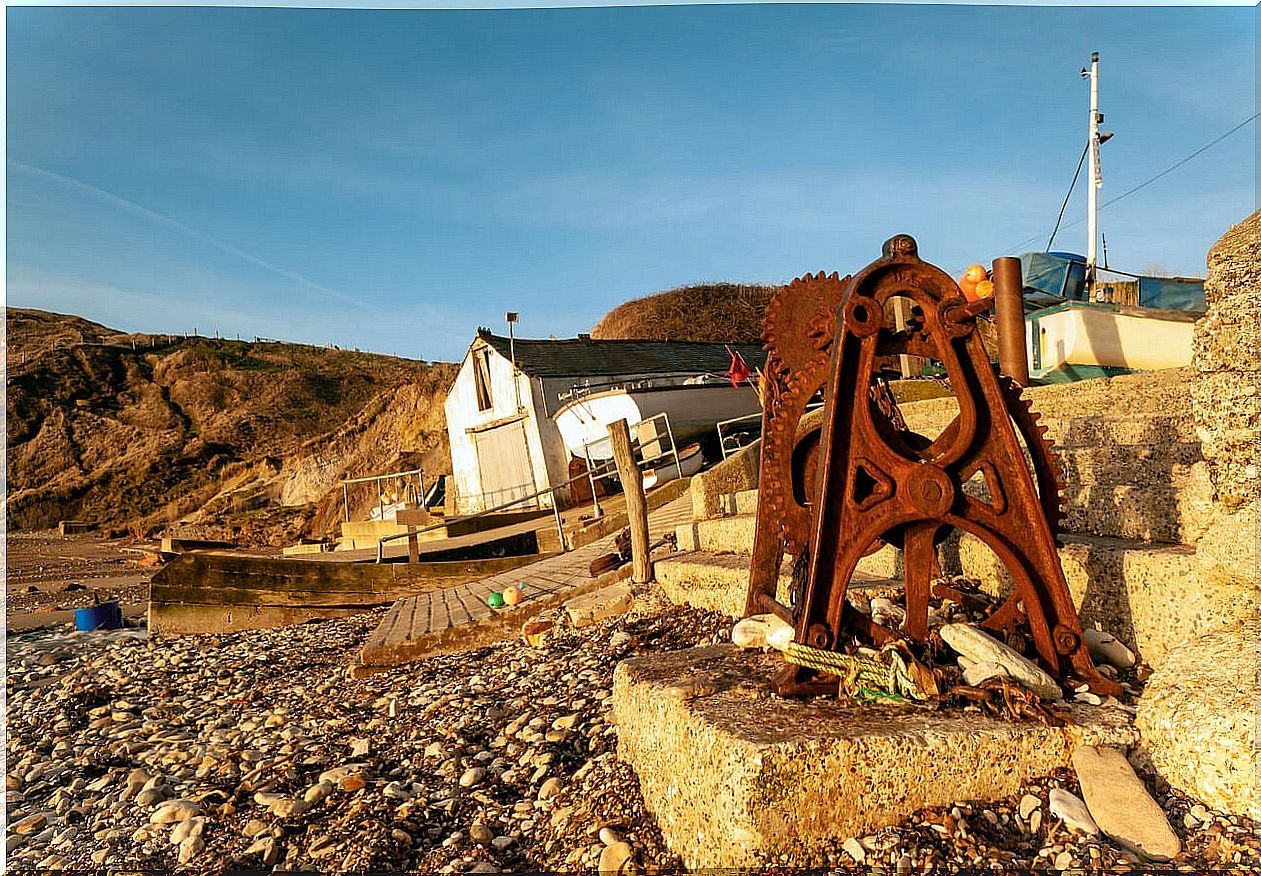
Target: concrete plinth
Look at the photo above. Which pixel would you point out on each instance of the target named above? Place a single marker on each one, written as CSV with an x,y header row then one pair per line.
x,y
741,775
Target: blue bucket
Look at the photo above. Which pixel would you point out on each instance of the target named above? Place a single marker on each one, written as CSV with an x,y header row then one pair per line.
x,y
106,616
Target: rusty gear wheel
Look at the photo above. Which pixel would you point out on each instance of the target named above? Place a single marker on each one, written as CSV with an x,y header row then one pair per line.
x,y
1048,472
796,370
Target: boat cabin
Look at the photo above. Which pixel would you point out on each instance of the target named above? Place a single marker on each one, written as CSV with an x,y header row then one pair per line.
x,y
505,443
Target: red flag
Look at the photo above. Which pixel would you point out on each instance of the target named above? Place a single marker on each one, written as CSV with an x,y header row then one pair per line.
x,y
739,371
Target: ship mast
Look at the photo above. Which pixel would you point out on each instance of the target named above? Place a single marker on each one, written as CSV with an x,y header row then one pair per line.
x,y
1096,180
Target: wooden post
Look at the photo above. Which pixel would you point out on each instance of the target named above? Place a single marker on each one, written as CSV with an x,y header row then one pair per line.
x,y
636,504
911,366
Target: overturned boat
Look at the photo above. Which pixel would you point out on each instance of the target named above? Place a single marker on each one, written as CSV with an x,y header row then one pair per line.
x,y
692,411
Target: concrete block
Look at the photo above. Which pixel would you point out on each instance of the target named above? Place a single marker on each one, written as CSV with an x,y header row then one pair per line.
x,y
1197,717
739,777
736,473
591,608
1160,514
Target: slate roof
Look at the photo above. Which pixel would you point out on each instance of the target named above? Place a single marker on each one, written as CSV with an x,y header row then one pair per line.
x,y
582,356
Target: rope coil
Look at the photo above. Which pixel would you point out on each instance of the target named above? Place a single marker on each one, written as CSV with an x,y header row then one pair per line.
x,y
887,673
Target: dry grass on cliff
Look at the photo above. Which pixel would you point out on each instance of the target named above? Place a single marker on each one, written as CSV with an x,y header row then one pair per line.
x,y
715,312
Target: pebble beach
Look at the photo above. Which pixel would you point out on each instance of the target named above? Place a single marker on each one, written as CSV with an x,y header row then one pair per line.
x,y
258,750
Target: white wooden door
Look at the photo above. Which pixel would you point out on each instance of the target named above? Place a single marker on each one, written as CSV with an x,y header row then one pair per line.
x,y
503,461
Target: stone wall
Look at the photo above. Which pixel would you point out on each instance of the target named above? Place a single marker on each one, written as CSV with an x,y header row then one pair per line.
x,y
1226,404
1197,714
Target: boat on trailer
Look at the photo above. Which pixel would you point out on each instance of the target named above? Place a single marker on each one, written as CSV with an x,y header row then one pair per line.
x,y
692,409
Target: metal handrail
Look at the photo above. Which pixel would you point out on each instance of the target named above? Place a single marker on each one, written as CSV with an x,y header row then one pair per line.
x,y
445,523
419,491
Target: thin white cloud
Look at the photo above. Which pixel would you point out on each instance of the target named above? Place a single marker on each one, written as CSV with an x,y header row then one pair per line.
x,y
169,222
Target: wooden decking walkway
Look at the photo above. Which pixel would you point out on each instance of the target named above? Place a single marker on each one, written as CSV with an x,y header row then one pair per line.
x,y
419,625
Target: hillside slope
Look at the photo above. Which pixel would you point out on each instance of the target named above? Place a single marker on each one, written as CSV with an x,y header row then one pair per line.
x,y
714,312
140,430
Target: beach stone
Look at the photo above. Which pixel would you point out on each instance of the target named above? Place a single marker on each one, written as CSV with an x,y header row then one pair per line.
x,y
481,834
975,673
1069,808
1107,648
854,849
615,858
1028,805
471,777
254,827
336,774
318,792
551,788
190,848
1197,719
30,824
173,811
608,602
151,797
980,647
353,782
290,807
752,631
1120,804
189,828
608,836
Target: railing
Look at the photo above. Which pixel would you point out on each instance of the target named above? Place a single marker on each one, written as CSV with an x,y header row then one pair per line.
x,y
560,529
730,442
416,490
636,429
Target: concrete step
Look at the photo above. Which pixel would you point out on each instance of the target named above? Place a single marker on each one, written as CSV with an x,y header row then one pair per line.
x,y
734,535
1155,514
1139,465
1120,430
1125,587
719,582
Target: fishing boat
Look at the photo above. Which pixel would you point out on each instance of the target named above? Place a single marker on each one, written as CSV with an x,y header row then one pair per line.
x,y
692,411
1083,320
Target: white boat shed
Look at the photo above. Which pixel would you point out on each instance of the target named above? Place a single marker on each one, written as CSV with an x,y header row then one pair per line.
x,y
504,443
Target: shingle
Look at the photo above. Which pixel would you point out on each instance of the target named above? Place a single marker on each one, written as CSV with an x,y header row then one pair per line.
x,y
576,357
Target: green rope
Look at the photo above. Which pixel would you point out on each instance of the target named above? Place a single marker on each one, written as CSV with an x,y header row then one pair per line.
x,y
864,677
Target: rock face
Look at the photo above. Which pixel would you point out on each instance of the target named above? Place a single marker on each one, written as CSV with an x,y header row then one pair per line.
x,y
113,428
1120,804
1227,413
1197,719
736,777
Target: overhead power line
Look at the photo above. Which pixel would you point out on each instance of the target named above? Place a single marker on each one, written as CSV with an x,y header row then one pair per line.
x,y
1181,162
1149,180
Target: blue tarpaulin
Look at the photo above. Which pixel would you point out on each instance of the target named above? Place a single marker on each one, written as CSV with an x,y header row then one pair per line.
x,y
1171,293
1052,277
1061,275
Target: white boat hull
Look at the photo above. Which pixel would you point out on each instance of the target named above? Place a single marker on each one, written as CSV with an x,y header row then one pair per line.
x,y
693,411
1110,336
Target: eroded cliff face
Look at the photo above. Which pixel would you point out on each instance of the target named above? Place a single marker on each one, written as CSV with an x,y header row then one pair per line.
x,y
142,431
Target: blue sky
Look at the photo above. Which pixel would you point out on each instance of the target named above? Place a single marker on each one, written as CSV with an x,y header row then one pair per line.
x,y
391,179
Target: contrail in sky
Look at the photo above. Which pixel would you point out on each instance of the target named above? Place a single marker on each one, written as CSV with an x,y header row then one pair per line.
x,y
162,219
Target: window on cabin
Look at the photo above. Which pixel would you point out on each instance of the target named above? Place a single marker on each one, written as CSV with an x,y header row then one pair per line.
x,y
481,379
